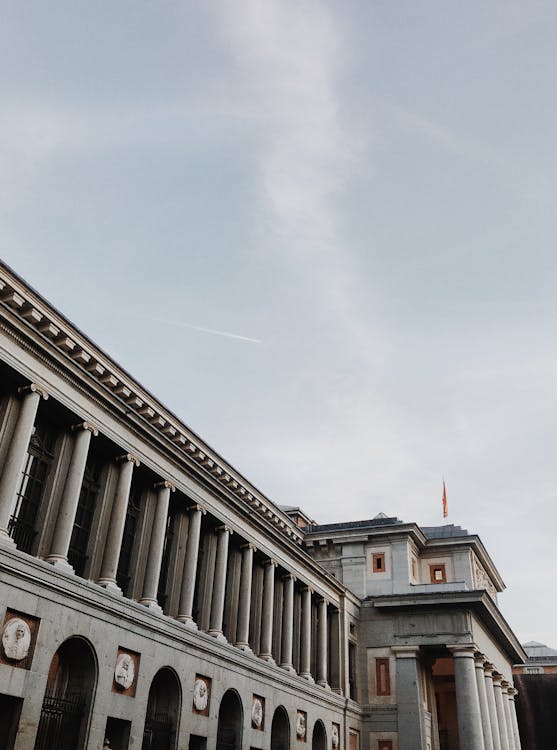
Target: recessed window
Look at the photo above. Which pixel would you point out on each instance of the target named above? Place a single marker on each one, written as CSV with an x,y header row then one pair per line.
x,y
382,677
385,745
378,562
437,573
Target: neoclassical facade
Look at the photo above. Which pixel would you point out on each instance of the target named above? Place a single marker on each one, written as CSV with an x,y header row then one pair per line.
x,y
152,598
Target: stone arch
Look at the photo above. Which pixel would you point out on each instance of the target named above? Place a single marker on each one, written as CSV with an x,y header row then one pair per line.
x,y
280,730
163,711
68,698
319,736
229,731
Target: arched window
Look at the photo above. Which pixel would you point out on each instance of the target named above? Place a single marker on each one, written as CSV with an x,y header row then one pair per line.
x,y
229,732
280,730
319,737
163,711
72,677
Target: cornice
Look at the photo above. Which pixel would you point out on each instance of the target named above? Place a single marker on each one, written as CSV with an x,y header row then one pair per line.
x,y
479,601
36,315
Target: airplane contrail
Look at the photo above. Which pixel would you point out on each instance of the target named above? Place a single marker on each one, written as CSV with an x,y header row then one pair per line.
x,y
182,324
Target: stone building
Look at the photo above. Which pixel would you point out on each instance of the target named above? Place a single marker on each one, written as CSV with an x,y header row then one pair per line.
x,y
151,597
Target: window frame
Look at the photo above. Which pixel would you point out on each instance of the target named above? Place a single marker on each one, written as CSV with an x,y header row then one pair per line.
x,y
433,568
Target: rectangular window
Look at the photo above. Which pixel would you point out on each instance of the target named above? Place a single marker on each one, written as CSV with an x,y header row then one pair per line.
x,y
385,745
382,677
437,574
77,553
352,671
123,575
379,562
29,495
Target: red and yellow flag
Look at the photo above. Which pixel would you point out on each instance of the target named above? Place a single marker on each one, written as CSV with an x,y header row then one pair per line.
x,y
445,504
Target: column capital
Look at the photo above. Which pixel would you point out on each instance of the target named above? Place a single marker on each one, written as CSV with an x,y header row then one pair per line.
x,y
33,388
249,545
85,426
406,652
165,484
288,576
463,650
128,457
224,527
307,588
480,659
489,668
505,685
270,561
196,507
497,679
513,692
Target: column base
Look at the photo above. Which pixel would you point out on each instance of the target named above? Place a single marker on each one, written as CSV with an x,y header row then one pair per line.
x,y
288,668
110,585
307,676
268,658
245,647
337,690
187,622
324,684
60,563
218,635
153,605
6,540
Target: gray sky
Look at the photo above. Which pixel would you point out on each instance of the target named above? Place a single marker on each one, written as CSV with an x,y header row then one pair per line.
x,y
363,193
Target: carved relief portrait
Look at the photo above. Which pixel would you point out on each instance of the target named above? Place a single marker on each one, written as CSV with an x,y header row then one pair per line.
x,y
201,690
335,736
16,639
257,712
124,672
301,726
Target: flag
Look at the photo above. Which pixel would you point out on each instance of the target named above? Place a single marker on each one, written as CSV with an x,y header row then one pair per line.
x,y
445,504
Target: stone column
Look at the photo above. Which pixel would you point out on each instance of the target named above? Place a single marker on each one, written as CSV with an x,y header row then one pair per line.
x,y
287,624
512,695
411,720
61,538
506,708
322,639
495,733
156,547
244,604
467,700
115,532
265,651
189,572
501,719
219,583
16,455
305,635
484,708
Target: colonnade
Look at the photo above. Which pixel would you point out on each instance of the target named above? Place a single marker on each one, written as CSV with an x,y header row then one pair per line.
x,y
316,615
486,712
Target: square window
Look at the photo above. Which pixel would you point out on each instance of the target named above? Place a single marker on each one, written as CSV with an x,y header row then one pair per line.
x,y
385,745
378,562
437,573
